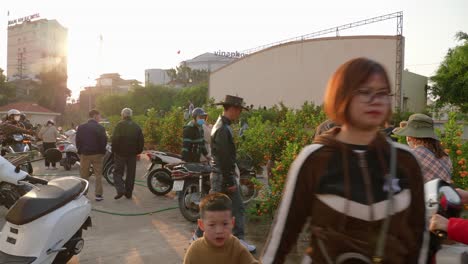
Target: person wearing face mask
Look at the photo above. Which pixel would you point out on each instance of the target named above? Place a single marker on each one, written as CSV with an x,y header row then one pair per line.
x,y
49,134
193,137
223,177
12,126
419,132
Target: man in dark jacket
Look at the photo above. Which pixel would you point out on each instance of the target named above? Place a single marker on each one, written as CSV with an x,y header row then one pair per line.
x,y
91,141
127,143
194,141
223,151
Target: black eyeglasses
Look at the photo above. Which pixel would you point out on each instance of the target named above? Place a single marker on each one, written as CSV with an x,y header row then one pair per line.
x,y
368,95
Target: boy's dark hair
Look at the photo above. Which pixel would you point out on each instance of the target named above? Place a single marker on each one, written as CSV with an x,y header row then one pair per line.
x,y
93,113
215,202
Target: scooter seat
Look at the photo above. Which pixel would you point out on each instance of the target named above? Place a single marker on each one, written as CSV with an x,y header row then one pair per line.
x,y
37,203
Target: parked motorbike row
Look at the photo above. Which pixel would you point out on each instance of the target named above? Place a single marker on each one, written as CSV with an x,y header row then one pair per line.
x,y
19,143
168,172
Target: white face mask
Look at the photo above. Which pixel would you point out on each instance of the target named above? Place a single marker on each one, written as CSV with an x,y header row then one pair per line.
x,y
17,118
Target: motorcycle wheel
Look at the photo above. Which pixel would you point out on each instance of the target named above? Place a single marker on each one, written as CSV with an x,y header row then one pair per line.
x,y
64,256
189,210
247,189
109,174
67,164
158,187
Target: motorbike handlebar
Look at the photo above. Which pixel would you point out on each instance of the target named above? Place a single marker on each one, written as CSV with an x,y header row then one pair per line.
x,y
35,180
441,234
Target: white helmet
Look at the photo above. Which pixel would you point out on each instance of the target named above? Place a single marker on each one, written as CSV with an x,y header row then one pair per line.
x,y
13,112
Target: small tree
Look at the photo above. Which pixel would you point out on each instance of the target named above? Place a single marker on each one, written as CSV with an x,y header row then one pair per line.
x,y
7,91
451,79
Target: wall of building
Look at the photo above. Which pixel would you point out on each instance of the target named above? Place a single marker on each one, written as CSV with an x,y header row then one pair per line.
x,y
38,46
157,76
296,72
40,118
414,92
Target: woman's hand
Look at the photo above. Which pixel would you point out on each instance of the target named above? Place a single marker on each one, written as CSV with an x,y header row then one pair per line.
x,y
438,222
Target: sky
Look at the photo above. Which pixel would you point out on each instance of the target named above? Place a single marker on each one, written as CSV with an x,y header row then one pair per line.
x,y
139,35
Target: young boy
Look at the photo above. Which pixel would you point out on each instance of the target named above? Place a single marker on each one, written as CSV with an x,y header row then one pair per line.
x,y
217,245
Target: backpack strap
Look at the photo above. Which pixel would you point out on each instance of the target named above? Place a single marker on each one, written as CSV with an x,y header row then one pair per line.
x,y
380,248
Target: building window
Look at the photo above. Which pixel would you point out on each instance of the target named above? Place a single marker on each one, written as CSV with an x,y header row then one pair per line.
x,y
24,49
19,40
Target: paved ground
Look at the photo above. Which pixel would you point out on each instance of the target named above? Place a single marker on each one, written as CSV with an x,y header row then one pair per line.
x,y
157,238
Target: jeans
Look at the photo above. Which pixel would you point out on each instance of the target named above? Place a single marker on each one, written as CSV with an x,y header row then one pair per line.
x,y
120,164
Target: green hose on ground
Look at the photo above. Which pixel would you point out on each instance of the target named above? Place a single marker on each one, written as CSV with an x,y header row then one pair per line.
x,y
138,183
134,214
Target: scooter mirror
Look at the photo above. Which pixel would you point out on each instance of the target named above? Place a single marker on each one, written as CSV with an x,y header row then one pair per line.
x,y
53,155
450,202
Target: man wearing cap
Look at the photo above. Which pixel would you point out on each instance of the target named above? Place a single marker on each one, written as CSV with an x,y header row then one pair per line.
x,y
127,143
223,151
419,132
194,142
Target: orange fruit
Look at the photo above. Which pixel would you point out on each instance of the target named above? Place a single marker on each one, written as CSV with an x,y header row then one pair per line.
x,y
447,151
459,152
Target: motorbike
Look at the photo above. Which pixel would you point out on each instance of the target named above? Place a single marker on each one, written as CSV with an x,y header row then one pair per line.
x,y
45,225
158,175
108,166
10,189
69,151
18,143
442,199
160,181
69,155
192,182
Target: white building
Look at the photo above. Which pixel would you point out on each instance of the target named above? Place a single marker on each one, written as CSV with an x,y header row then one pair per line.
x,y
208,61
298,71
414,88
34,112
156,77
35,47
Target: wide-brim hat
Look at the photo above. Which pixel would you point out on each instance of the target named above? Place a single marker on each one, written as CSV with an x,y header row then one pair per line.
x,y
232,100
419,126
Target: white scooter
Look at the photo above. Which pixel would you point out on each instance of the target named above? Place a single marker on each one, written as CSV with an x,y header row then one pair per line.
x,y
45,225
69,151
442,199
